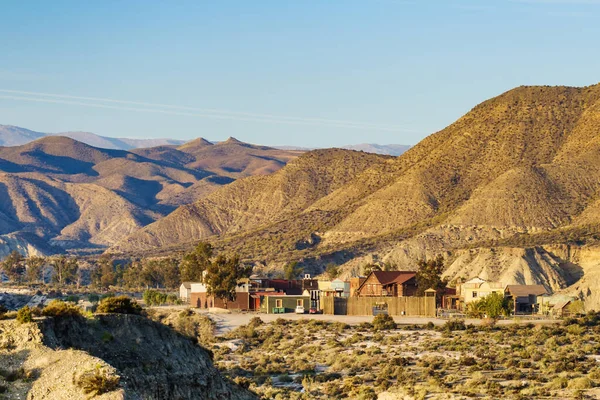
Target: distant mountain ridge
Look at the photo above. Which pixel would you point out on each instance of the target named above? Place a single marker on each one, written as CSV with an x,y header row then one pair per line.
x,y
57,192
16,136
383,149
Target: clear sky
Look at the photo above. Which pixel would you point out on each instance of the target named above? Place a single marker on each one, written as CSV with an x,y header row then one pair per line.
x,y
297,72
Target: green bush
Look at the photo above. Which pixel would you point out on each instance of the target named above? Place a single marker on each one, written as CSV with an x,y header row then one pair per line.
x,y
119,305
98,381
383,322
24,315
57,308
156,298
72,298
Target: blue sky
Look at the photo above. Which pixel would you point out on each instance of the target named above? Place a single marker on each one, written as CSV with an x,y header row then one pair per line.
x,y
305,72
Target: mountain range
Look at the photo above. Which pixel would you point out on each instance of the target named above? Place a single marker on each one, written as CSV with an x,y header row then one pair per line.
x,y
510,191
16,136
59,192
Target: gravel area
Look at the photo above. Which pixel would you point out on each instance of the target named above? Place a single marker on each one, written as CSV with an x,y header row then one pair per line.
x,y
227,322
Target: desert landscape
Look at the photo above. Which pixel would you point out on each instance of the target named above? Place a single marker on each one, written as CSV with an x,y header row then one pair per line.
x,y
367,200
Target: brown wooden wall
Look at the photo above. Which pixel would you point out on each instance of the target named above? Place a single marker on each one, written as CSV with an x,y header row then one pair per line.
x,y
201,300
412,306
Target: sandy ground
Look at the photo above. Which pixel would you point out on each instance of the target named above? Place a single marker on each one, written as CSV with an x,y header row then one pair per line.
x,y
227,322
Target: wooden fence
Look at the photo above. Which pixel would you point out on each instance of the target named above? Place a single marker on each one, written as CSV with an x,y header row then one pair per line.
x,y
409,306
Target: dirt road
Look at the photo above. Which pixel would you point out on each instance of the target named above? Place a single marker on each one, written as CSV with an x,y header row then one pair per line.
x,y
227,322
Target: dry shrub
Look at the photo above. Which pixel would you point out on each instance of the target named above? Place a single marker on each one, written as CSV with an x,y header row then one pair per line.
x,y
580,383
119,305
57,308
24,315
98,381
383,322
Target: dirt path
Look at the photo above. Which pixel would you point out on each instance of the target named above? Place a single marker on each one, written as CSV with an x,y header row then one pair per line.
x,y
227,322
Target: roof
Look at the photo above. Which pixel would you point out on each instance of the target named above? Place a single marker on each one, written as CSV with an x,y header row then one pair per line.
x,y
187,285
562,304
388,277
526,290
266,293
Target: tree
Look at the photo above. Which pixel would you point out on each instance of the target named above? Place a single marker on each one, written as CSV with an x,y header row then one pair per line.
x,y
292,270
222,277
332,271
169,269
429,276
104,274
494,305
65,270
13,266
132,276
368,268
151,275
35,269
196,262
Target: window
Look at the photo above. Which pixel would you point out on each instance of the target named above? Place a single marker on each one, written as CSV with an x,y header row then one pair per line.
x,y
474,294
299,302
278,303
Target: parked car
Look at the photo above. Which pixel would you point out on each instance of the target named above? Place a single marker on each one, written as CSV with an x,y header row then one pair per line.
x,y
313,310
299,310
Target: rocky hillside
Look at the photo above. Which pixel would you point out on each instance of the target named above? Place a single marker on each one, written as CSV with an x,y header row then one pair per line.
x,y
248,204
518,171
56,192
47,359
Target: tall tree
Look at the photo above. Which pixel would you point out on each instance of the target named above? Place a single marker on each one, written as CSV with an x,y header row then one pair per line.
x,y
35,269
13,266
222,277
65,269
104,275
429,275
169,268
132,276
196,262
292,270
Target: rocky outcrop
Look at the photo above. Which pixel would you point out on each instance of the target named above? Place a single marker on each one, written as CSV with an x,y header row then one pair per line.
x,y
153,361
46,359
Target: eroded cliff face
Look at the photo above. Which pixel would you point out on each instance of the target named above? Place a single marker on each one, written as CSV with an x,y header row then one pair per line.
x,y
153,361
46,358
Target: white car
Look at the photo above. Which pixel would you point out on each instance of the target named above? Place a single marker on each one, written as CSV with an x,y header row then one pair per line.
x,y
299,309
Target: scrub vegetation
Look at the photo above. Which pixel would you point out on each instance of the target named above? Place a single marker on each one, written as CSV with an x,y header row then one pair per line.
x,y
311,359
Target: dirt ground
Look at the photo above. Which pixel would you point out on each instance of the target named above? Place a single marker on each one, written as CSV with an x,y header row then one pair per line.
x,y
226,322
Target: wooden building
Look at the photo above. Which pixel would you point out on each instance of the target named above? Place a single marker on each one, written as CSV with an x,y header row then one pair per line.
x,y
388,283
281,303
524,298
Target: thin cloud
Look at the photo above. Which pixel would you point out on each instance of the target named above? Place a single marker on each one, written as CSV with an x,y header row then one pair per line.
x,y
179,110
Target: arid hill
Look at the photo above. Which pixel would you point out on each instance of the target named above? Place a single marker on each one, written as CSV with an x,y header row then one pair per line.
x,y
518,172
49,358
56,192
